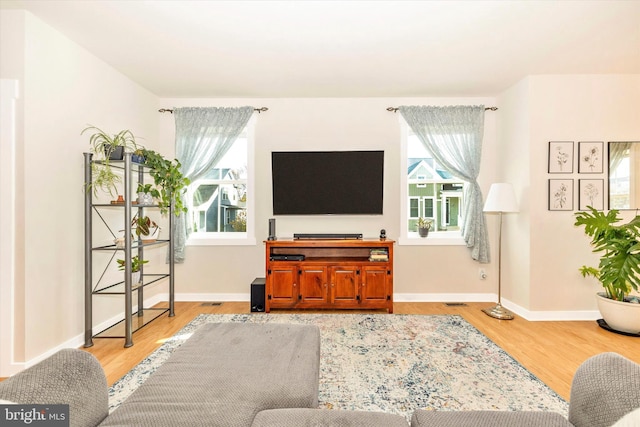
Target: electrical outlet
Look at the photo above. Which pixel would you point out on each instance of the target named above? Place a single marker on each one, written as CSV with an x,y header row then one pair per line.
x,y
482,274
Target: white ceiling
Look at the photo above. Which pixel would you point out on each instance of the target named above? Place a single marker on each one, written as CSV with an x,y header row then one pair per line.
x,y
347,48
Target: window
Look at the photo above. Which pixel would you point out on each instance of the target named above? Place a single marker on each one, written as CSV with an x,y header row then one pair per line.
x,y
429,192
220,203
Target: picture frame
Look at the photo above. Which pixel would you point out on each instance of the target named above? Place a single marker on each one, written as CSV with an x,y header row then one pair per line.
x,y
561,194
590,193
590,157
560,157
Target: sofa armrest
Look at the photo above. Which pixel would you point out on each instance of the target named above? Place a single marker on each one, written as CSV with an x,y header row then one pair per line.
x,y
70,376
605,388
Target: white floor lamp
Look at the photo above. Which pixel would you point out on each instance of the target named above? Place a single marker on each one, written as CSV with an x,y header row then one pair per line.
x,y
501,199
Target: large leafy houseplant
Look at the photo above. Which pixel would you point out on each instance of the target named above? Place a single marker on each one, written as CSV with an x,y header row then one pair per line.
x,y
619,249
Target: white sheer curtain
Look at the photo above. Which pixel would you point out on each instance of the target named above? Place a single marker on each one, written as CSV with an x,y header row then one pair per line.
x,y
453,135
617,152
203,136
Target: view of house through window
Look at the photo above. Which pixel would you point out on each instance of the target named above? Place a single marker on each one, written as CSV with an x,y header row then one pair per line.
x,y
218,201
433,193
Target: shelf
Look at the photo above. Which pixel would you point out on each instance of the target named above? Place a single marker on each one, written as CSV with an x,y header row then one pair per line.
x,y
327,260
121,205
134,245
118,330
118,288
132,174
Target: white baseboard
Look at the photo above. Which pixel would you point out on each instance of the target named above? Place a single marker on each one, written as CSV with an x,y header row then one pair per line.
x,y
211,297
443,298
532,316
552,316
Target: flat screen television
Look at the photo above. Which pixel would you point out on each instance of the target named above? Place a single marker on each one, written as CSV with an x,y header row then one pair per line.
x,y
327,182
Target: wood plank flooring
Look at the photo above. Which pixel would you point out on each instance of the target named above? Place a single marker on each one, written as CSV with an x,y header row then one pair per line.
x,y
550,350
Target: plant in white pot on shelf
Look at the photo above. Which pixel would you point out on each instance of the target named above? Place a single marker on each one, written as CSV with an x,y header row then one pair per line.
x,y
146,194
136,264
145,228
619,267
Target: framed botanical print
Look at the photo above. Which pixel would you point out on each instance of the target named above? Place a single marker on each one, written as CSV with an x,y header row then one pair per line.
x,y
590,157
561,194
561,157
590,193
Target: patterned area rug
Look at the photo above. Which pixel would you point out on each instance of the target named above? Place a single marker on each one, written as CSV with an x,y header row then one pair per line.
x,y
392,363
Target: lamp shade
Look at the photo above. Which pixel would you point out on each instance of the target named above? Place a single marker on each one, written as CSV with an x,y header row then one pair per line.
x,y
501,198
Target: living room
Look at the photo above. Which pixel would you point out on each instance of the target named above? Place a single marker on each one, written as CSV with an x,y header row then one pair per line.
x,y
62,87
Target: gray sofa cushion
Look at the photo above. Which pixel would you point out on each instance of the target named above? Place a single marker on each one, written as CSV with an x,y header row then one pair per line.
x,y
604,389
326,418
423,418
70,376
225,374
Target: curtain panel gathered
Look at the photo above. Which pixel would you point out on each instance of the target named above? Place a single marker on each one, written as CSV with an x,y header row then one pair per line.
x,y
203,136
453,135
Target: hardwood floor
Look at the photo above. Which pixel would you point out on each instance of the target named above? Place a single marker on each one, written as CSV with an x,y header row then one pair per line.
x,y
550,350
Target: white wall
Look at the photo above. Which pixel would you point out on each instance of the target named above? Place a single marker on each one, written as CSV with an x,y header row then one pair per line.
x,y
558,108
12,47
63,89
512,153
333,124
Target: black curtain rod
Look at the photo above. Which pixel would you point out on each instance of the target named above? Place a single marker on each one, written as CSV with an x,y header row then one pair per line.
x,y
167,110
394,109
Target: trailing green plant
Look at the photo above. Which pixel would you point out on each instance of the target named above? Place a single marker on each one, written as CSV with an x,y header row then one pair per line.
x,y
169,181
102,146
103,178
619,249
136,263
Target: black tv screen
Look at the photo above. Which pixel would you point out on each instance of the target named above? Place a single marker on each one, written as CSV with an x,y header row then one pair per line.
x,y
327,182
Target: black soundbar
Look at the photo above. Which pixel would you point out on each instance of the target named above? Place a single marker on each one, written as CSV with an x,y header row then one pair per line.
x,y
286,257
326,236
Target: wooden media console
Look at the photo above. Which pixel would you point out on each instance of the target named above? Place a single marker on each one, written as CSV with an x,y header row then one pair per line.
x,y
329,274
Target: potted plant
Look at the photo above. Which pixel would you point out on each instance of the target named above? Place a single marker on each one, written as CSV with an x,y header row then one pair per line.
x,y
146,229
112,147
619,267
108,147
146,194
136,264
424,225
169,181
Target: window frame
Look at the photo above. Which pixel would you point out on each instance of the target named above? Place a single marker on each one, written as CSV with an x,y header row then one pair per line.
x,y
248,237
435,238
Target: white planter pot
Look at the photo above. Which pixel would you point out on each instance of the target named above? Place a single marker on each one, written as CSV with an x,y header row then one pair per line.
x,y
621,316
145,199
153,235
135,279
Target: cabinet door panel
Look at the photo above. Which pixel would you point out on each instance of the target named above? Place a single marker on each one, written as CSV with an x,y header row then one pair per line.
x,y
282,286
374,285
344,285
313,285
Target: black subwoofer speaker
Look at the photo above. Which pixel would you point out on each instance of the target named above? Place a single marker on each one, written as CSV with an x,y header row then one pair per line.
x,y
257,295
